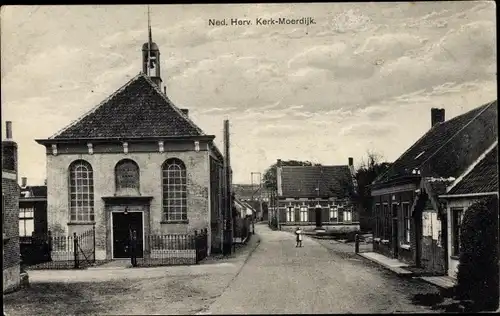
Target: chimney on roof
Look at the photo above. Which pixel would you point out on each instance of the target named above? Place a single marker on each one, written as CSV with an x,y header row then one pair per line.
x,y
9,150
437,116
185,111
8,132
45,182
278,163
24,182
351,161
165,90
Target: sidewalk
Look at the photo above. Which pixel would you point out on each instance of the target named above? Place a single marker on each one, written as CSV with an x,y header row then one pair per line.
x,y
241,252
394,265
403,269
444,282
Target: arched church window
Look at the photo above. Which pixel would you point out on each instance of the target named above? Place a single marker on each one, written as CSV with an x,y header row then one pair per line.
x,y
127,178
174,190
81,192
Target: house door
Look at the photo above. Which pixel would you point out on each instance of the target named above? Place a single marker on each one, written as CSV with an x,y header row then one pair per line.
x,y
395,230
123,224
318,217
444,238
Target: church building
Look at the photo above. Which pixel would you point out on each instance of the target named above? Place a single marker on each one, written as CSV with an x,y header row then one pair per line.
x,y
135,160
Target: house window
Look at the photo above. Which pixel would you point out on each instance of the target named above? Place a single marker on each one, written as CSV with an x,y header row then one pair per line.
x,y
341,214
174,190
127,175
347,215
290,214
333,214
406,223
81,183
456,218
304,214
26,222
3,216
386,221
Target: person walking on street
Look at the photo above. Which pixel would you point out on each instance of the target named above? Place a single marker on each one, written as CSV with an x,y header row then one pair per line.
x,y
298,233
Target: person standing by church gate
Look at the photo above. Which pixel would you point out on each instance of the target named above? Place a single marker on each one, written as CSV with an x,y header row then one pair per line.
x,y
133,247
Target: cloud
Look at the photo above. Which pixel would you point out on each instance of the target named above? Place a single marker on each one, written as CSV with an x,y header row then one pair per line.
x,y
283,131
333,89
368,129
217,110
374,112
473,45
390,45
238,81
349,21
321,57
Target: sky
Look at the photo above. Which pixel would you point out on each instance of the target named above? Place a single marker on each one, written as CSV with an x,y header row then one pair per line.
x,y
362,78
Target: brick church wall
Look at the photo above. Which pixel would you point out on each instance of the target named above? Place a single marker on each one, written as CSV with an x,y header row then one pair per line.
x,y
150,164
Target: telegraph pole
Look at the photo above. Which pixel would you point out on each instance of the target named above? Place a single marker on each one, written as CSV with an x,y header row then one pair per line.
x,y
260,194
227,235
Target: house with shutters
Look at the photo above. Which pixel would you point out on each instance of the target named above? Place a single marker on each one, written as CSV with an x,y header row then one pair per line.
x,y
317,198
134,161
479,181
410,218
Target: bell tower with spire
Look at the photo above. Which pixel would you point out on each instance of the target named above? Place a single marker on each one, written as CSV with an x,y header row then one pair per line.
x,y
151,57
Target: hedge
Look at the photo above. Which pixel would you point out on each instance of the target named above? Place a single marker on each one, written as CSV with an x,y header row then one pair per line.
x,y
478,270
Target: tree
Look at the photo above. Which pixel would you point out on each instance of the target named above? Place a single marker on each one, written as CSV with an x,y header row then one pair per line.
x,y
478,271
366,173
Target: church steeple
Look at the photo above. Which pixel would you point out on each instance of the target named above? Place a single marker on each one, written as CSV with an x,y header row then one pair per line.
x,y
151,57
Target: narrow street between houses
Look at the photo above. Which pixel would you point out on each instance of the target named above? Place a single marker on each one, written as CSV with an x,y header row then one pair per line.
x,y
317,278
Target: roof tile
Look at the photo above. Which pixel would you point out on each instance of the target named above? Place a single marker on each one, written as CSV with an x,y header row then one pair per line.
x,y
443,150
302,181
482,178
138,109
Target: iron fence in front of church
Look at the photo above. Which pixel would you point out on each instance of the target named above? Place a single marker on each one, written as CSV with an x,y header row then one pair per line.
x,y
174,249
58,251
77,251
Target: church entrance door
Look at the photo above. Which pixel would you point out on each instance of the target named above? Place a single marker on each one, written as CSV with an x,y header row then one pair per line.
x,y
123,225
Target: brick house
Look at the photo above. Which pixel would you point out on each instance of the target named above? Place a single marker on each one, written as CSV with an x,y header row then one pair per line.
x,y
32,209
479,181
32,221
410,220
10,214
136,161
317,197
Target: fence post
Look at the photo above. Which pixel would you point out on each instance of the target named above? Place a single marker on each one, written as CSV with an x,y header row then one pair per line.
x,y
49,243
93,237
196,245
205,244
356,243
75,250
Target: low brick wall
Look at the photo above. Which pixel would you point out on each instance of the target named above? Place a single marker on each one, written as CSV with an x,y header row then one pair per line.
x,y
168,253
62,255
